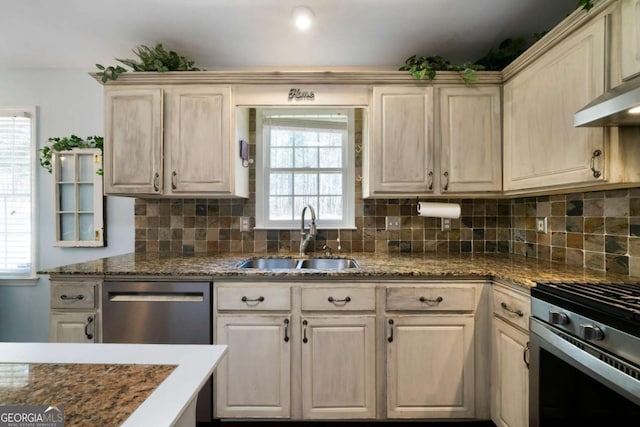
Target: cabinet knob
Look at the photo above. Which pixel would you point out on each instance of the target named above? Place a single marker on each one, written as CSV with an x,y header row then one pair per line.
x,y
446,181
517,312
156,182
66,297
88,334
596,173
431,300
174,180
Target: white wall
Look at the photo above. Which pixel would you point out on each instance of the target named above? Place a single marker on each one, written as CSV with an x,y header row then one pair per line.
x,y
68,102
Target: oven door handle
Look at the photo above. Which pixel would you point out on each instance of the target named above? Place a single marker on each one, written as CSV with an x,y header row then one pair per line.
x,y
545,337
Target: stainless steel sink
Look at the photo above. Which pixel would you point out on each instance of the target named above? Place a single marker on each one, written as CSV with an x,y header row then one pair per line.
x,y
328,263
269,263
292,263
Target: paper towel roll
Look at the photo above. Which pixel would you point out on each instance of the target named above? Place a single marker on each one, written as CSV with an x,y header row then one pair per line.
x,y
439,210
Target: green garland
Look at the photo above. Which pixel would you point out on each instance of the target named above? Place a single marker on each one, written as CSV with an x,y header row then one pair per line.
x,y
68,143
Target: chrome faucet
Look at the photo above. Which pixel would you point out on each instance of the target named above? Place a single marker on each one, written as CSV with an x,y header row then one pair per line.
x,y
306,238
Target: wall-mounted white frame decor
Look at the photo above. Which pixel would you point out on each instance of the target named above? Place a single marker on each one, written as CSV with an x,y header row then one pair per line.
x,y
79,202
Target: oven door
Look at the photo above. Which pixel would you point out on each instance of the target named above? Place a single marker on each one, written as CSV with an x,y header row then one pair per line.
x,y
570,385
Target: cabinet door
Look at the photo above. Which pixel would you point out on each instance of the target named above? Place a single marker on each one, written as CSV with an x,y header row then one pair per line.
x,y
470,139
197,140
401,157
430,366
630,38
541,146
253,380
338,367
133,141
510,376
73,327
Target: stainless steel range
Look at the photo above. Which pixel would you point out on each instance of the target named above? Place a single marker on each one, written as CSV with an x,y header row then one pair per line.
x,y
585,354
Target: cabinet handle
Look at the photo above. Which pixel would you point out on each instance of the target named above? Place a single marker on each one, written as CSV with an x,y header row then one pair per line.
x,y
525,354
390,337
446,182
286,330
596,173
304,332
174,180
339,301
88,334
518,312
156,182
430,175
66,297
256,300
431,300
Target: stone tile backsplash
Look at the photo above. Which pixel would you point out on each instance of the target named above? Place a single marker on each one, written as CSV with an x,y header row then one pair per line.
x,y
599,230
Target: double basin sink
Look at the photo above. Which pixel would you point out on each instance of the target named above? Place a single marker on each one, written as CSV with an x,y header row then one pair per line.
x,y
299,264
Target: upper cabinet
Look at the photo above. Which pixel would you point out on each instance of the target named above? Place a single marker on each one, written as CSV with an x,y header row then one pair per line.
x,y
542,149
433,140
630,40
173,141
401,151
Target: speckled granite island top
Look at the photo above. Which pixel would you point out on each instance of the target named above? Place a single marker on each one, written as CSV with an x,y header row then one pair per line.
x,y
97,395
128,385
516,269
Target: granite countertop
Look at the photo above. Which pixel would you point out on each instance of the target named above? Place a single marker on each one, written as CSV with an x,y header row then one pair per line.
x,y
107,384
515,269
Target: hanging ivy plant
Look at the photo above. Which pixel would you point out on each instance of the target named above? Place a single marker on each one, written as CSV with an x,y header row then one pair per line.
x,y
428,66
149,59
68,143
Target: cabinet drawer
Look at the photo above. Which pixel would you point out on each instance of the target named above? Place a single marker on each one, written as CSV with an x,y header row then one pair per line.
x,y
339,299
431,298
512,307
258,298
72,295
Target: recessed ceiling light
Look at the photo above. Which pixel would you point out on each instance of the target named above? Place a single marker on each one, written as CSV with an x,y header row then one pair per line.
x,y
302,17
635,110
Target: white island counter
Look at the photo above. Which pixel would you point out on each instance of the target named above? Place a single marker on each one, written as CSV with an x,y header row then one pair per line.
x,y
183,370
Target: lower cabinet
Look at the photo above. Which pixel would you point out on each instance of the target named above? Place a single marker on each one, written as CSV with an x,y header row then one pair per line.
x,y
254,379
78,327
338,367
430,366
74,311
509,365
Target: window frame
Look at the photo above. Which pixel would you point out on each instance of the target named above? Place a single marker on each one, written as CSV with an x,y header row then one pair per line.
x,y
263,170
32,113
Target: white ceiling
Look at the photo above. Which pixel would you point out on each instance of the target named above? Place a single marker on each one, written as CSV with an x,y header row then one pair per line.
x,y
220,34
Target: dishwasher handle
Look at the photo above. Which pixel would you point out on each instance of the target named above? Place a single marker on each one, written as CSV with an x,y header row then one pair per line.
x,y
156,296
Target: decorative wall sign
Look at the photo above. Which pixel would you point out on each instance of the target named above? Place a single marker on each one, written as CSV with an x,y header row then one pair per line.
x,y
296,94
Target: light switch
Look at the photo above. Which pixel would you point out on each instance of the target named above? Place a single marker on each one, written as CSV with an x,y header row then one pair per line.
x,y
541,224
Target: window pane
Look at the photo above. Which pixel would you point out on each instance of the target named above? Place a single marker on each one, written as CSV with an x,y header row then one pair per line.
x,y
301,202
86,227
67,167
330,184
281,137
332,139
305,138
306,158
67,227
280,184
85,194
67,197
330,207
330,157
282,157
305,184
85,161
280,208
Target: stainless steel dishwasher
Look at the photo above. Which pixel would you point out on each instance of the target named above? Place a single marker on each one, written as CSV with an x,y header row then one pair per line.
x,y
160,313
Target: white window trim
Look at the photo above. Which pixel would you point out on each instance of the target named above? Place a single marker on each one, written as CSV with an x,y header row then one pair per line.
x,y
29,278
262,190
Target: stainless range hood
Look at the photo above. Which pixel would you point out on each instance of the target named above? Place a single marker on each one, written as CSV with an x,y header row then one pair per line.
x,y
612,107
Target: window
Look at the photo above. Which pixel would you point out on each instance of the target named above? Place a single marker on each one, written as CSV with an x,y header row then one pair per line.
x,y
304,157
17,171
78,197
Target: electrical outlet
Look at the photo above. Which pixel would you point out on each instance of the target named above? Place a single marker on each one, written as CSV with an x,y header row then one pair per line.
x,y
245,223
541,224
393,223
445,225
